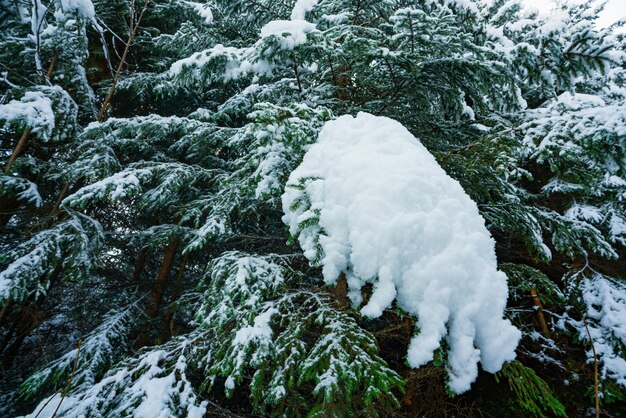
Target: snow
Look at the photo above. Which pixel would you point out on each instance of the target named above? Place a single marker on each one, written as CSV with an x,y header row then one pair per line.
x,y
34,110
370,201
236,62
605,301
569,119
47,406
259,330
25,190
117,187
149,390
617,227
288,33
84,8
203,10
301,8
470,5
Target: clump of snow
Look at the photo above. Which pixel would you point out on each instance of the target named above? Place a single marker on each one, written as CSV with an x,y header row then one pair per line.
x,y
301,8
370,201
203,10
34,110
289,33
84,8
260,330
234,62
199,59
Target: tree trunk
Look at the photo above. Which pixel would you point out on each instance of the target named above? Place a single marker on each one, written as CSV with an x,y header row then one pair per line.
x,y
159,285
131,35
18,148
543,326
141,264
341,291
171,309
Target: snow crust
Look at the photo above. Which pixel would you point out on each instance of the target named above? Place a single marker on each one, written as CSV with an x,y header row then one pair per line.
x,y
380,209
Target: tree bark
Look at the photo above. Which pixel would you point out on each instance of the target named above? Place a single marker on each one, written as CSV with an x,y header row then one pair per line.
x,y
18,148
341,291
131,35
541,319
171,309
141,264
159,285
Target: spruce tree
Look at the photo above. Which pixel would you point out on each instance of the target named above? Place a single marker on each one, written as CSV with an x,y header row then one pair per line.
x,y
178,235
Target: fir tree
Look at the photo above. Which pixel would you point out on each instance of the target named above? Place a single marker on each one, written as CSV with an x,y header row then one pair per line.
x,y
154,151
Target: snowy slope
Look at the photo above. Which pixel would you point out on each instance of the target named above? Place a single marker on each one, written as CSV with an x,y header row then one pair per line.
x,y
369,200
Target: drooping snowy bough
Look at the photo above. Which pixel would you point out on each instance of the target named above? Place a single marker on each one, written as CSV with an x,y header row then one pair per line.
x,y
371,202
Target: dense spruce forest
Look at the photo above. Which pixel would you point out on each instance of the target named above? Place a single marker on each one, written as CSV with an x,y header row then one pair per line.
x,y
324,208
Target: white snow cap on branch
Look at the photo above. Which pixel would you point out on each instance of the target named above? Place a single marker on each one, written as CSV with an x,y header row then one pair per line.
x,y
203,10
84,8
370,201
34,110
301,8
289,33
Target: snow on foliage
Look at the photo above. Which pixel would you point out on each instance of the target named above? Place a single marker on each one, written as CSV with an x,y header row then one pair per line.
x,y
25,190
99,352
30,266
289,33
154,385
49,112
83,8
203,10
604,300
33,110
370,201
288,338
301,8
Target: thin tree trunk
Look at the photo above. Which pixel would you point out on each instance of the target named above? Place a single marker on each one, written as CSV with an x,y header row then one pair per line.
x,y
52,64
159,285
107,99
543,326
131,35
141,264
62,195
171,309
341,291
18,148
23,139
7,207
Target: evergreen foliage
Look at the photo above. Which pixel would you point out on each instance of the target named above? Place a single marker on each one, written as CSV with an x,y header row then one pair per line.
x,y
155,234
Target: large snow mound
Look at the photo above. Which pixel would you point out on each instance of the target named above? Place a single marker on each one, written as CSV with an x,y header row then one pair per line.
x,y
370,201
